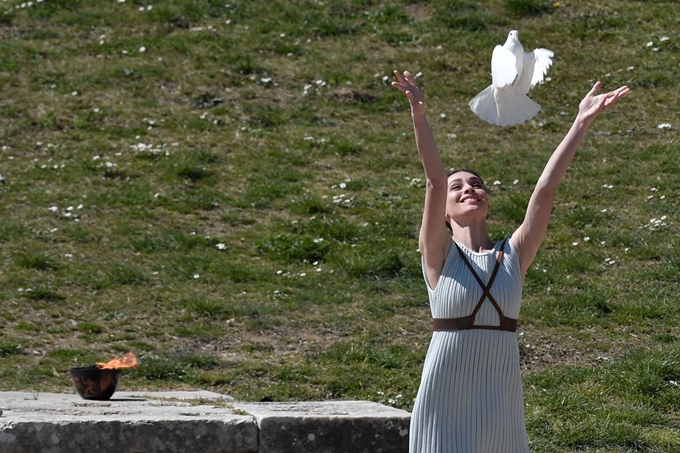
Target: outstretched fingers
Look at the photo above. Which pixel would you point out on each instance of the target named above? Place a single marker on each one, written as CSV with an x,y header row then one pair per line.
x,y
594,90
410,78
399,76
613,97
407,84
401,84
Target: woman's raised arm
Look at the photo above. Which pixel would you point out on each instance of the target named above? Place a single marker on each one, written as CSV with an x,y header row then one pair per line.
x,y
434,239
529,236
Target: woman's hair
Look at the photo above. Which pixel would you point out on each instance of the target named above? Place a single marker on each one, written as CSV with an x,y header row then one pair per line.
x,y
458,170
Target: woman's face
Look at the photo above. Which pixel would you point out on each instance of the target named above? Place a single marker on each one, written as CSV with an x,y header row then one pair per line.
x,y
466,196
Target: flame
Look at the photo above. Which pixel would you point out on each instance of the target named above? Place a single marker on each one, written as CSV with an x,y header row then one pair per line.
x,y
129,361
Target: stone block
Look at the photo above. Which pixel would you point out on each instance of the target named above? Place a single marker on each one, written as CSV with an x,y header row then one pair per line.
x,y
329,427
60,423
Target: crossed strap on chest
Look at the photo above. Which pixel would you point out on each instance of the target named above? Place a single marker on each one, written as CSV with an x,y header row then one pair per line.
x,y
468,322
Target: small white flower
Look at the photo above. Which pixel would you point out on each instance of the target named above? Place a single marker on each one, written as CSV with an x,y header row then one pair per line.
x,y
68,255
496,183
574,244
142,49
53,208
197,276
586,238
650,44
516,181
664,126
302,274
317,240
664,38
221,246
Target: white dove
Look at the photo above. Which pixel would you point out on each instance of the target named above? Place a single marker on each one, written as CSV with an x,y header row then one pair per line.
x,y
513,73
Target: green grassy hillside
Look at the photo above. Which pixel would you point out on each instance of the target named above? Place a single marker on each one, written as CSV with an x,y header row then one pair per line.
x,y
230,189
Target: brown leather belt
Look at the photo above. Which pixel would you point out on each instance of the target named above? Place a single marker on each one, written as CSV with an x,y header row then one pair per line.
x,y
465,323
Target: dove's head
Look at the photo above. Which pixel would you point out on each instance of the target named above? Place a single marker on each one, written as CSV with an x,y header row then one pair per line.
x,y
466,195
513,35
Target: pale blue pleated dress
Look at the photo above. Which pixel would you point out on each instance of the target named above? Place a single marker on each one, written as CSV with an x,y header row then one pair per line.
x,y
470,398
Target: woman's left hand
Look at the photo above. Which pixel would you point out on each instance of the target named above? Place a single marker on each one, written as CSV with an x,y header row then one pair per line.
x,y
594,104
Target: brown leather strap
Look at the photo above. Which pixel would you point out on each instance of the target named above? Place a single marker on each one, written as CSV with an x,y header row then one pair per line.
x,y
453,324
468,322
485,288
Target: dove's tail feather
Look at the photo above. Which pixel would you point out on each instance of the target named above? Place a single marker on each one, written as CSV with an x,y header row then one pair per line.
x,y
484,105
514,107
504,106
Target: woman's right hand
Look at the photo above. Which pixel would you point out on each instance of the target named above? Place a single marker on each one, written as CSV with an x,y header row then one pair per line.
x,y
406,83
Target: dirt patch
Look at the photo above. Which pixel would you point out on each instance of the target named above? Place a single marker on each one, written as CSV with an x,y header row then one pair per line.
x,y
349,96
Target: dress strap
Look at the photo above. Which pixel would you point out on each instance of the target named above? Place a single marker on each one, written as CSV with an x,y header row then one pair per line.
x,y
468,322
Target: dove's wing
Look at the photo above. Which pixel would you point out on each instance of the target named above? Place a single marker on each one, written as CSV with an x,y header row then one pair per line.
x,y
503,71
535,67
524,82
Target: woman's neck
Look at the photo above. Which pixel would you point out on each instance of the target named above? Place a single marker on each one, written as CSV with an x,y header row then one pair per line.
x,y
474,237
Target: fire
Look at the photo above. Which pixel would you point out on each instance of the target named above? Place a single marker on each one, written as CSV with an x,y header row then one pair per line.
x,y
129,361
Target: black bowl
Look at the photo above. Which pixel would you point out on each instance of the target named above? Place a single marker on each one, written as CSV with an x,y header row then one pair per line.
x,y
94,383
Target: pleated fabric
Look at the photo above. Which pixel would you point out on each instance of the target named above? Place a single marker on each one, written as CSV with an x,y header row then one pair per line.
x,y
470,398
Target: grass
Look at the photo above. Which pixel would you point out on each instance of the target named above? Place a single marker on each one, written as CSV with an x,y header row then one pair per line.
x,y
231,191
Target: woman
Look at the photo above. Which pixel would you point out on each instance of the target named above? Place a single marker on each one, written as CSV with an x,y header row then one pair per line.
x,y
470,397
